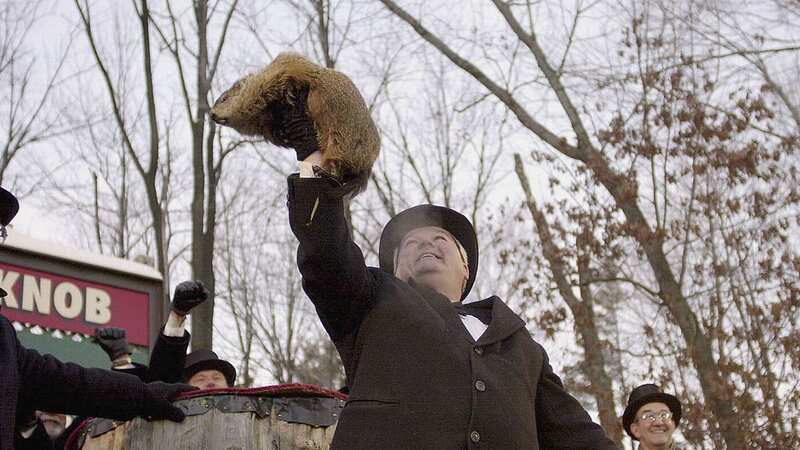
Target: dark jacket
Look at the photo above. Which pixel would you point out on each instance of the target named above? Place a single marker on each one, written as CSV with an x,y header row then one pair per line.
x,y
38,440
138,370
30,381
417,379
166,360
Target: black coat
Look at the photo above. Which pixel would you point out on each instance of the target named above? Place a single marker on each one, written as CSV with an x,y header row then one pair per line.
x,y
166,360
417,379
30,381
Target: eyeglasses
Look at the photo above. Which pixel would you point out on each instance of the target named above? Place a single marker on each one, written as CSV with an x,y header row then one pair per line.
x,y
650,417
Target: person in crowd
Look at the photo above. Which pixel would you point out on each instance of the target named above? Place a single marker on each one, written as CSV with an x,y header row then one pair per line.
x,y
49,432
206,370
427,366
54,424
651,417
169,362
30,381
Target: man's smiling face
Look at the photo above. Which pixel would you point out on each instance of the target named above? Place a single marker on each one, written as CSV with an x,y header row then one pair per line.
x,y
431,257
653,434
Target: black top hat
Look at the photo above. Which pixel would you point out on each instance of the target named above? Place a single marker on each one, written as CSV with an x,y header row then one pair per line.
x,y
200,360
8,206
426,216
644,394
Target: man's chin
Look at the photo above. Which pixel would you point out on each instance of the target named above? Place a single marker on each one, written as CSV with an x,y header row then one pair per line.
x,y
659,439
54,431
428,279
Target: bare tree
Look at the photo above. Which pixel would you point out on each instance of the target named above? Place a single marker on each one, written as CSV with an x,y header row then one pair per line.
x,y
275,329
581,307
759,36
27,119
145,157
208,155
646,226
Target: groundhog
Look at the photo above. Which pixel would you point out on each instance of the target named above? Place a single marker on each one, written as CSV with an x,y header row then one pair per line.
x,y
297,104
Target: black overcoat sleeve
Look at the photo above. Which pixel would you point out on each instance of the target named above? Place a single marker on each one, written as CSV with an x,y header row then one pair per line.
x,y
168,358
562,422
47,384
335,276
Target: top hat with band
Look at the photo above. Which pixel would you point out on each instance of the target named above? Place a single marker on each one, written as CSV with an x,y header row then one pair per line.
x,y
425,216
644,394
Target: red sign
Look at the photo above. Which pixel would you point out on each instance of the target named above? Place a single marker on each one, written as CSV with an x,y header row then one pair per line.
x,y
71,304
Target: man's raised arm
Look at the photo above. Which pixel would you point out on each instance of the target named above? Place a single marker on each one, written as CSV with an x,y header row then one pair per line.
x,y
335,276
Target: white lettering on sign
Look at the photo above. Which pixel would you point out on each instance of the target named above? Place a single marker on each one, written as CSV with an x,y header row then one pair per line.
x,y
7,282
68,309
98,305
35,294
66,299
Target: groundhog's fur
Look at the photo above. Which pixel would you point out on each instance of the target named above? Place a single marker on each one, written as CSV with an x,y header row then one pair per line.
x,y
272,104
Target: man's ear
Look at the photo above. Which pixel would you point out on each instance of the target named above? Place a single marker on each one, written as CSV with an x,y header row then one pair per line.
x,y
635,429
466,278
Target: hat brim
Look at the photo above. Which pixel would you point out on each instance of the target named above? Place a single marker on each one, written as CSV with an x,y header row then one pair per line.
x,y
671,401
425,216
9,206
221,365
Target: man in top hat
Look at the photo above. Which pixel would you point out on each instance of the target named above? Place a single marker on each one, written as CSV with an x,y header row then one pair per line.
x,y
30,381
205,370
168,359
421,374
651,417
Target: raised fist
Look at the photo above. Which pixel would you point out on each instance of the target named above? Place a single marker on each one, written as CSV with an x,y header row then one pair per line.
x,y
187,295
112,341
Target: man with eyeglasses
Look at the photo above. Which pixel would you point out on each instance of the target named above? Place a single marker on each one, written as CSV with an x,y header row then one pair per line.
x,y
651,417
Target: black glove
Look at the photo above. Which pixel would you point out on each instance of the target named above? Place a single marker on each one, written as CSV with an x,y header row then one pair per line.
x,y
188,295
112,341
157,401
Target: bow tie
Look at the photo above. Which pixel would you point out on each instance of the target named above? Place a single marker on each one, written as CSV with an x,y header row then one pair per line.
x,y
482,310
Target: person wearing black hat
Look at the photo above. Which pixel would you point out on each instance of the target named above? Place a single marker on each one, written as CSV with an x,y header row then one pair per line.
x,y
421,372
206,370
651,417
168,358
30,381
